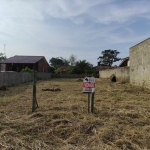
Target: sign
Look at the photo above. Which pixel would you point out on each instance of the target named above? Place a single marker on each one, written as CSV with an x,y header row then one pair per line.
x,y
88,84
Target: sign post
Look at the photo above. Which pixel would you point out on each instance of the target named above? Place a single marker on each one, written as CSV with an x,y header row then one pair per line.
x,y
89,87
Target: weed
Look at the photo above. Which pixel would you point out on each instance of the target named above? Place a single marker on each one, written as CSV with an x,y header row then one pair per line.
x,y
121,118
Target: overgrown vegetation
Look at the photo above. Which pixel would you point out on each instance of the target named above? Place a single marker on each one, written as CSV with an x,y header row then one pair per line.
x,y
121,118
27,69
72,66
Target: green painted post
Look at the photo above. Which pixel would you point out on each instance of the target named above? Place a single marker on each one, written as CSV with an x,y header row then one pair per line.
x,y
34,101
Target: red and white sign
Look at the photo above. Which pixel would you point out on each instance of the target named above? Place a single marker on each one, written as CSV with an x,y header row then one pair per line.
x,y
88,84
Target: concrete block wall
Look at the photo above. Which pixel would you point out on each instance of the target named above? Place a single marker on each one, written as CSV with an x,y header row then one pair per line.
x,y
14,78
121,73
140,64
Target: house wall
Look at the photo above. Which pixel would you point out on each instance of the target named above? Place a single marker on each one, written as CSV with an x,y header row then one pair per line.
x,y
43,65
2,67
13,78
18,67
140,64
121,73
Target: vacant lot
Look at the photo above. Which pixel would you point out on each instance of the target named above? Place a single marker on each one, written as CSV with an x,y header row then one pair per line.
x,y
121,118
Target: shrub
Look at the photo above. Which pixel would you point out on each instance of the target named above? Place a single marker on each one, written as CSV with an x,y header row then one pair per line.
x,y
57,71
27,69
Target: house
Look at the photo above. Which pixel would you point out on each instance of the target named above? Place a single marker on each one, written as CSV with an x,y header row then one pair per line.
x,y
140,63
102,67
2,67
17,63
125,62
64,69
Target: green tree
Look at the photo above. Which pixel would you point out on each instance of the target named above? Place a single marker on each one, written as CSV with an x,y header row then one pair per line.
x,y
51,69
58,62
83,67
108,57
65,61
2,57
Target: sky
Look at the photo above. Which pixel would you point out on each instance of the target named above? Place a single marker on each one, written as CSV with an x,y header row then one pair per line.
x,y
84,28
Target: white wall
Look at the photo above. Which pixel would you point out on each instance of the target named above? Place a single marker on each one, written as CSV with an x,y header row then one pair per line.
x,y
140,64
121,73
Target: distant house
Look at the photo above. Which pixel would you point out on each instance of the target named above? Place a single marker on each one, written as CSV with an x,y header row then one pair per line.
x,y
125,62
103,67
17,63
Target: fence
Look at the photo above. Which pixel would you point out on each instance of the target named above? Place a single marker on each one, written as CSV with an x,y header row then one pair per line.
x,y
68,76
13,78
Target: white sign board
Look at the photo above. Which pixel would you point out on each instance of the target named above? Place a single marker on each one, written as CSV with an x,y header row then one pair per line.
x,y
88,84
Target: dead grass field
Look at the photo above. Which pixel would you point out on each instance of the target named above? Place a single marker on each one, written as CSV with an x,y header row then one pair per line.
x,y
121,118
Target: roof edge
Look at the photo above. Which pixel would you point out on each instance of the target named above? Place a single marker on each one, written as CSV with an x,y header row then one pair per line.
x,y
140,42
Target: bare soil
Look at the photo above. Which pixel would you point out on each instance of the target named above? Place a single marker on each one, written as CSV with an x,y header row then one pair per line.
x,y
121,118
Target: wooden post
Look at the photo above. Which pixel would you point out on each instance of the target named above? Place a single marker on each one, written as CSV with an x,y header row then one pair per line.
x,y
92,102
34,101
88,102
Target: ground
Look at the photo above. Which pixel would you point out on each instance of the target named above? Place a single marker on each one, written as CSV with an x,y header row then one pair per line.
x,y
121,118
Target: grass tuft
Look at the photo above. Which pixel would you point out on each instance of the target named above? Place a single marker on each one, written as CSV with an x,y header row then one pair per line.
x,y
121,118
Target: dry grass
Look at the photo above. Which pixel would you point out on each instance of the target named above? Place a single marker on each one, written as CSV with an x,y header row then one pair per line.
x,y
121,118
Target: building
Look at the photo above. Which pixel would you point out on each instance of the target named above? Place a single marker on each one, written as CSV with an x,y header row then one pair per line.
x,y
125,62
121,73
17,63
2,67
137,69
102,67
140,63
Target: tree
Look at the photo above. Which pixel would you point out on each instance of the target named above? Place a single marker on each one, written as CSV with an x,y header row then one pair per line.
x,y
2,57
51,69
83,67
108,57
65,61
58,62
72,60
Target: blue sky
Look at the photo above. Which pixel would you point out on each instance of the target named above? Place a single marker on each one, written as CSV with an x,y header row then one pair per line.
x,y
84,28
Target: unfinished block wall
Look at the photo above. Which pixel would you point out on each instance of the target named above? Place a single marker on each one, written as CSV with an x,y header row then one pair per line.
x,y
140,64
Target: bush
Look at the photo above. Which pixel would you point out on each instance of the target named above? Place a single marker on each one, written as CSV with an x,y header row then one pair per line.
x,y
69,71
27,69
57,71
